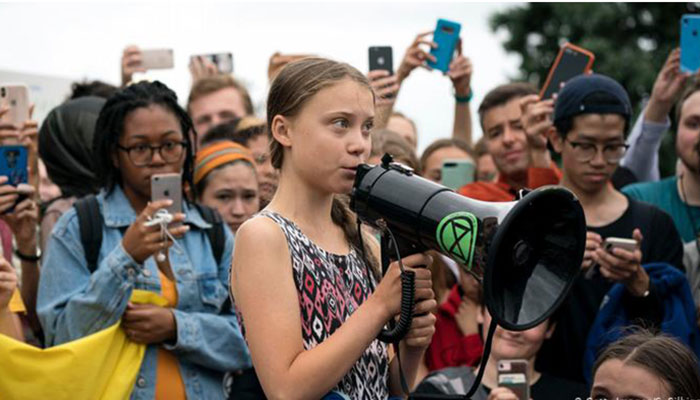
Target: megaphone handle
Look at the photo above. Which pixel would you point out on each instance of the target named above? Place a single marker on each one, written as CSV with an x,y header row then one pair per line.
x,y
401,328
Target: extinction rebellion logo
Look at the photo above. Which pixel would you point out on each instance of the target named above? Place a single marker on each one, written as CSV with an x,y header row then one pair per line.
x,y
456,235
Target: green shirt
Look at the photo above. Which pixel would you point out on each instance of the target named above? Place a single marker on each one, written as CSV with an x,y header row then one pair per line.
x,y
664,194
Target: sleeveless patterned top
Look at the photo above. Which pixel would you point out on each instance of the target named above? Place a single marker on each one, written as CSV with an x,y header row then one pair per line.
x,y
331,287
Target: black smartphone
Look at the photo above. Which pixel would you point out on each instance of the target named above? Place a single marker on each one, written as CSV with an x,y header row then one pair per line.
x,y
569,63
381,57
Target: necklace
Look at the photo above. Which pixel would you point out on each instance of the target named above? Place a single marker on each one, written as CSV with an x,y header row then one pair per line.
x,y
686,203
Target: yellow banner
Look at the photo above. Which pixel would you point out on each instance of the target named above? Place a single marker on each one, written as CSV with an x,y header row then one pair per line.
x,y
103,365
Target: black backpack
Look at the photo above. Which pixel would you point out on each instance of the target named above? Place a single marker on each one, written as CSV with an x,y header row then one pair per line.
x,y
91,221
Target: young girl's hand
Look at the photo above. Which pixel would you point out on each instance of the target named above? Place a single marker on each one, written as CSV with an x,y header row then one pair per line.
x,y
423,325
388,292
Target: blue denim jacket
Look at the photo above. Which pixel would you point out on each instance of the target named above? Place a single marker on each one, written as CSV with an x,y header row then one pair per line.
x,y
73,303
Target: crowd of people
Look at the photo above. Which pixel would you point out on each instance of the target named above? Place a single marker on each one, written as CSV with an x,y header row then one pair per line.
x,y
269,286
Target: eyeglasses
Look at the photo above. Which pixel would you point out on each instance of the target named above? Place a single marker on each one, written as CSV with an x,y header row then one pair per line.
x,y
142,154
612,153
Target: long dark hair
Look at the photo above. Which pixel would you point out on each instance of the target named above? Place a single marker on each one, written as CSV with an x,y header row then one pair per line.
x,y
110,126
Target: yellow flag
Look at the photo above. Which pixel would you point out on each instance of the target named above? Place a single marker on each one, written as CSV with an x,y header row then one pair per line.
x,y
103,365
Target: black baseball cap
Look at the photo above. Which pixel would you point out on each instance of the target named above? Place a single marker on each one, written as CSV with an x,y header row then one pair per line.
x,y
571,100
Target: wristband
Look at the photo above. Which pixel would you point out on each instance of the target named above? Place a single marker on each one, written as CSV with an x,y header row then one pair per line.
x,y
27,258
464,99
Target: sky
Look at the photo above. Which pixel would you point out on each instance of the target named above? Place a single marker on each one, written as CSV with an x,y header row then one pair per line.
x,y
84,40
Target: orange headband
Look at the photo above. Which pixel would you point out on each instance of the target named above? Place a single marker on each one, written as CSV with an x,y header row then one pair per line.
x,y
218,154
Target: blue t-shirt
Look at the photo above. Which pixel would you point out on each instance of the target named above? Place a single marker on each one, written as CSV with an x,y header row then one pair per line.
x,y
664,194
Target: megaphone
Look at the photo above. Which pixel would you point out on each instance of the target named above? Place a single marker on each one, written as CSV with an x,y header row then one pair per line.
x,y
526,253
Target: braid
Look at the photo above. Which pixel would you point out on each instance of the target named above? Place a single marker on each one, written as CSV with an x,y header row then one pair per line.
x,y
110,126
345,218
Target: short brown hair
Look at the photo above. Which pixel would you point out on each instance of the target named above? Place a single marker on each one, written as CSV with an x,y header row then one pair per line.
x,y
386,141
689,90
211,84
296,84
441,144
480,148
661,355
502,94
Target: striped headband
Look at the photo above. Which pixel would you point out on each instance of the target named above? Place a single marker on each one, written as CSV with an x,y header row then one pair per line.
x,y
216,155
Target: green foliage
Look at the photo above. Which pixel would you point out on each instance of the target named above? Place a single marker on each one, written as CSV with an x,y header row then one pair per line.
x,y
630,40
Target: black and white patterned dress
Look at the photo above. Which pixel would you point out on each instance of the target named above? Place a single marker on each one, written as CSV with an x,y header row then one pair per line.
x,y
331,287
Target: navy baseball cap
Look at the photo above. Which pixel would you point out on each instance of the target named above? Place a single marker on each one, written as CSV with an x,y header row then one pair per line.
x,y
571,100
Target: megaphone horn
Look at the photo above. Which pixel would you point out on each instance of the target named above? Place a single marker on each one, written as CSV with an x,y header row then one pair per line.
x,y
527,252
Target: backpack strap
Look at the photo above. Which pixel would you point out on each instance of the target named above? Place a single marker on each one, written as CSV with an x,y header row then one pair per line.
x,y
216,234
90,222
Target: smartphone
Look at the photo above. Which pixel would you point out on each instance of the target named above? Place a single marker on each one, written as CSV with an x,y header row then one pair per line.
x,y
381,57
570,62
16,98
690,43
223,61
446,36
512,374
457,173
168,186
13,164
157,59
620,243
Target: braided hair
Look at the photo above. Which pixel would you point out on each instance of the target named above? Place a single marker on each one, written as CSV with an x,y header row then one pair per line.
x,y
110,126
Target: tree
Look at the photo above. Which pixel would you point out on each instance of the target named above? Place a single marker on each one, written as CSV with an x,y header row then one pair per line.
x,y
630,40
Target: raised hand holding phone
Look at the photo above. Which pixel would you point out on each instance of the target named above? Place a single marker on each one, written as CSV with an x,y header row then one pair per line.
x,y
131,63
278,61
668,84
415,56
460,72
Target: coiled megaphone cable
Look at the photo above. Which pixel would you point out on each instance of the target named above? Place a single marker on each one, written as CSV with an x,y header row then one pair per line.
x,y
408,291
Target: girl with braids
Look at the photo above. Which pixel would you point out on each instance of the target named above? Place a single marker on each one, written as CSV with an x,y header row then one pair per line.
x,y
311,308
142,131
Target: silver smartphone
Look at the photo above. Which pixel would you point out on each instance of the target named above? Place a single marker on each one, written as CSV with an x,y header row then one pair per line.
x,y
157,59
16,98
620,243
168,186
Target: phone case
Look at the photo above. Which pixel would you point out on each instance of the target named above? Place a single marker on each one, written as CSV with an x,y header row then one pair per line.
x,y
512,374
168,186
457,173
621,243
16,98
570,62
223,61
690,43
381,57
157,59
13,164
446,36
